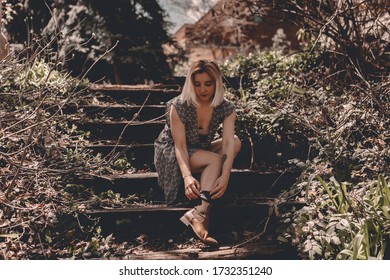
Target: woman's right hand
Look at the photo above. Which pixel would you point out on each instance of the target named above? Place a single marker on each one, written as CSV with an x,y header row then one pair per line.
x,y
191,187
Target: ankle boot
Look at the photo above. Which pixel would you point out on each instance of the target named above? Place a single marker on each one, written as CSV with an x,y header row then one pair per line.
x,y
199,223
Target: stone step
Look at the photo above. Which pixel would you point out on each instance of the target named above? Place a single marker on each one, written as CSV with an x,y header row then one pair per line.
x,y
135,94
247,202
158,218
156,208
138,155
266,154
129,131
117,111
164,221
242,183
259,250
141,156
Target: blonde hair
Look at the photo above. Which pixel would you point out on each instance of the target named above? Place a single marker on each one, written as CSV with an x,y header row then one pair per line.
x,y
203,66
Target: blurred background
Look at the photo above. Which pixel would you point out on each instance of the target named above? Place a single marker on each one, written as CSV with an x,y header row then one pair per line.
x,y
142,41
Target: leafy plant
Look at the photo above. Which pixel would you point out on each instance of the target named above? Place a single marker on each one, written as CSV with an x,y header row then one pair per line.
x,y
342,221
265,78
40,154
344,119
353,34
121,163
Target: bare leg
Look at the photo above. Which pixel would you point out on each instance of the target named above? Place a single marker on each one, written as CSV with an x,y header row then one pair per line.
x,y
209,164
216,146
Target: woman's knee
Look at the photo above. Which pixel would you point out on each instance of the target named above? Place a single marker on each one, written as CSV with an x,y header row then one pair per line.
x,y
202,159
215,159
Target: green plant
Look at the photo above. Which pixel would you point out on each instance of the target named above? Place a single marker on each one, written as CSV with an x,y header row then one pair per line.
x,y
121,163
341,221
40,154
267,79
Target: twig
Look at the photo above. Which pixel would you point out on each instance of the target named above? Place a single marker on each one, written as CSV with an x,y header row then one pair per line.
x,y
17,207
38,116
256,236
129,123
41,244
277,179
25,222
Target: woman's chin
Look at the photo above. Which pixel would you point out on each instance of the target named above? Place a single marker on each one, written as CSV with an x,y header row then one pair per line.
x,y
204,98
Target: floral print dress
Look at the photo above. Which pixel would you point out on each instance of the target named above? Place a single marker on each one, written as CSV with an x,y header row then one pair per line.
x,y
169,174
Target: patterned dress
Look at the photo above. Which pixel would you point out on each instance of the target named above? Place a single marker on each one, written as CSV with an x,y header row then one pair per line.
x,y
169,174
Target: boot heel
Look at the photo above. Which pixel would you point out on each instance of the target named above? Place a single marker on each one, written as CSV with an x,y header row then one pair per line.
x,y
184,220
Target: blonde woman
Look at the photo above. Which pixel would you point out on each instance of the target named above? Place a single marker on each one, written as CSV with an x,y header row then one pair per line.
x,y
186,146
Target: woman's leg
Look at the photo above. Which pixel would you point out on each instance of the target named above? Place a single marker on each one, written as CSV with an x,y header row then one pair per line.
x,y
207,163
216,146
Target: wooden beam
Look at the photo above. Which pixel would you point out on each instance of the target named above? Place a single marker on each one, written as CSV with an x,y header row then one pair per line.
x,y
115,87
254,251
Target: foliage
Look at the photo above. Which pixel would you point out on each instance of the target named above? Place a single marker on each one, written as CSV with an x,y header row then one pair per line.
x,y
341,221
41,214
347,129
134,29
354,34
268,81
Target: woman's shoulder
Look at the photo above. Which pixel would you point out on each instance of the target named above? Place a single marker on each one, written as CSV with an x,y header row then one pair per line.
x,y
181,107
226,104
178,102
225,108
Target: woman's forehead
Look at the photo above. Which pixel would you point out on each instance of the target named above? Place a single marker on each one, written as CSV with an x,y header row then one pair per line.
x,y
202,77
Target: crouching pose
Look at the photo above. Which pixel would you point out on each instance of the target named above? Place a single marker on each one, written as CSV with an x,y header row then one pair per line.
x,y
186,147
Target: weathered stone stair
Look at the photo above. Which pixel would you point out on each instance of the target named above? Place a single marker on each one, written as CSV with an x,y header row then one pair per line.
x,y
128,119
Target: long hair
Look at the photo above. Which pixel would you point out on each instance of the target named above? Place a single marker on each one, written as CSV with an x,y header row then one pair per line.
x,y
203,66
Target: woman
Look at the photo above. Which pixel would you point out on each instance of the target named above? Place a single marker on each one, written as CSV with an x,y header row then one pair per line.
x,y
186,147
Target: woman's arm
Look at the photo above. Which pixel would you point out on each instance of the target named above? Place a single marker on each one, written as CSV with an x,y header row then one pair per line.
x,y
221,183
179,138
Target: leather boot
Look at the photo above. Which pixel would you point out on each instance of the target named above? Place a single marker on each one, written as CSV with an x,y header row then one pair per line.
x,y
199,223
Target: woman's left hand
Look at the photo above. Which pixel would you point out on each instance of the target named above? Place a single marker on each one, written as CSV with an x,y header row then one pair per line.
x,y
219,187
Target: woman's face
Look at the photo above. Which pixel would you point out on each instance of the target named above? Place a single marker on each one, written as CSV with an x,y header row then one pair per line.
x,y
204,87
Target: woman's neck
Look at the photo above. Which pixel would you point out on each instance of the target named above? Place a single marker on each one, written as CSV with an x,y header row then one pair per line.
x,y
205,103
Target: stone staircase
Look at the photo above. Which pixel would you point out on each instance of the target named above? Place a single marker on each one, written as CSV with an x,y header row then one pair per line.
x,y
126,120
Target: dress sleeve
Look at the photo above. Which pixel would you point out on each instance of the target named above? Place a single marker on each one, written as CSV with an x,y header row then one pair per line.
x,y
227,109
180,109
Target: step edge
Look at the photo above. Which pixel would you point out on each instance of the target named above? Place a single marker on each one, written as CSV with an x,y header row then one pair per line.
x,y
166,208
154,174
131,88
